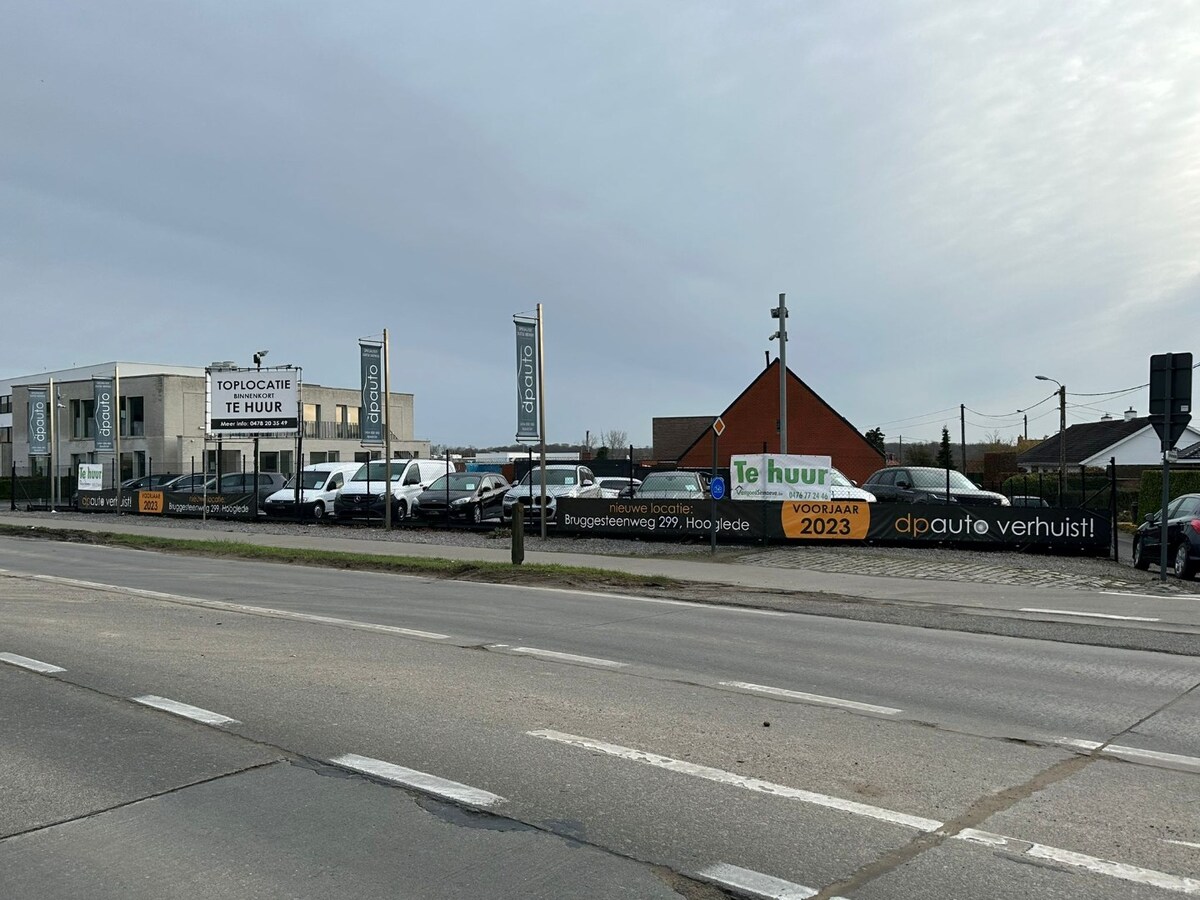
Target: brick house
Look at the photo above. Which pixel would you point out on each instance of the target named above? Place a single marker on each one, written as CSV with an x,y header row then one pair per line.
x,y
751,421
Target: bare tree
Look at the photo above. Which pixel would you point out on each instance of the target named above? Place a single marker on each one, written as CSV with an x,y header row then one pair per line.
x,y
616,441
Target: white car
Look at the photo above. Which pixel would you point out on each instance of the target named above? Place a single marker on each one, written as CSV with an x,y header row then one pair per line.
x,y
363,495
562,481
319,486
845,489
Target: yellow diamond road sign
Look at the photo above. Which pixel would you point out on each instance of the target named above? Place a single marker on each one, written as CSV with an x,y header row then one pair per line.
x,y
719,426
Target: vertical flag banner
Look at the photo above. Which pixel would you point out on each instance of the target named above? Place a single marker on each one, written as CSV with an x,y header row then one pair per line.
x,y
39,421
527,386
106,422
370,359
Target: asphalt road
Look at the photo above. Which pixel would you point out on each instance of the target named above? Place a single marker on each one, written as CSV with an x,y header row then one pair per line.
x,y
624,746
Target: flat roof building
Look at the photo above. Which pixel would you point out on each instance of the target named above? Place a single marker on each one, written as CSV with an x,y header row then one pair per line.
x,y
162,425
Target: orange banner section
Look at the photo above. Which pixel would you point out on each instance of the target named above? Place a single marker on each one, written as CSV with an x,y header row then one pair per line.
x,y
150,502
839,520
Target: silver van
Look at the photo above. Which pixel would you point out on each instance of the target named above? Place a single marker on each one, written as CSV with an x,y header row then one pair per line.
x,y
363,496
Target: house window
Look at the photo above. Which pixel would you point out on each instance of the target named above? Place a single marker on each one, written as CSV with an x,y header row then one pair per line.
x,y
5,435
5,404
268,461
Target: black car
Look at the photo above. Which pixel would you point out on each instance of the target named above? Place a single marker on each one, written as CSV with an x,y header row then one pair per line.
x,y
926,484
472,497
1028,500
1183,537
243,483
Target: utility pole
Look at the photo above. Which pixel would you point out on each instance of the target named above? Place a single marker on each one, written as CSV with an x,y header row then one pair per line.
x,y
387,436
962,425
780,312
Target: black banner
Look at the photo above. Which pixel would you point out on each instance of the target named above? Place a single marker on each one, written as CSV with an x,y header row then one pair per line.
x,y
162,503
840,520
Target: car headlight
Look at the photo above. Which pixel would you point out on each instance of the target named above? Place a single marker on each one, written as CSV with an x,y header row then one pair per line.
x,y
461,501
1004,501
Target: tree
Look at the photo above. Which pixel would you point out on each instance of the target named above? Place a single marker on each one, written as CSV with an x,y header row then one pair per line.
x,y
875,439
616,441
945,457
918,455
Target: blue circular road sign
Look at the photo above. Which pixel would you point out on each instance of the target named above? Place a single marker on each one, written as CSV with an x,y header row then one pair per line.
x,y
717,487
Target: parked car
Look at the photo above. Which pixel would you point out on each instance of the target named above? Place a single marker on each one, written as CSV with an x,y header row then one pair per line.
x,y
187,484
1028,500
243,483
927,484
845,489
1183,537
363,495
319,486
676,485
614,486
470,496
561,481
149,482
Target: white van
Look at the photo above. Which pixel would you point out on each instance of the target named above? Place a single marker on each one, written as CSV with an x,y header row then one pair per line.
x,y
319,486
362,497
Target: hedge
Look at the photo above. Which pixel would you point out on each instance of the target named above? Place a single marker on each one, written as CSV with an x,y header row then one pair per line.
x,y
1150,496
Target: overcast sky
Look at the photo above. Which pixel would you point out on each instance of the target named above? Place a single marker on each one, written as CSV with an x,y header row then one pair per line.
x,y
955,197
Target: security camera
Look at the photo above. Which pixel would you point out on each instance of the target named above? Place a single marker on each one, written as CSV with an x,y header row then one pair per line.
x,y
258,356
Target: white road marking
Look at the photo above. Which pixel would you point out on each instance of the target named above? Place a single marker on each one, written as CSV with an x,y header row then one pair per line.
x,y
184,709
1182,843
660,600
1090,615
755,884
422,781
812,698
742,781
1068,858
231,607
561,657
1163,596
25,662
1134,754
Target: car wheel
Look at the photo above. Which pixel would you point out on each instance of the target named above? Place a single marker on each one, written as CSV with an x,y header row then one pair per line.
x,y
1139,555
318,512
476,514
401,511
1184,568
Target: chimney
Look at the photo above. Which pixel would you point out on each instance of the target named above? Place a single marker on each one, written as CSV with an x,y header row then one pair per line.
x,y
1106,418
1130,414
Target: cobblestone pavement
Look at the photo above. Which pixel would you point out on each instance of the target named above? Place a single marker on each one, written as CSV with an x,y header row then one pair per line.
x,y
972,566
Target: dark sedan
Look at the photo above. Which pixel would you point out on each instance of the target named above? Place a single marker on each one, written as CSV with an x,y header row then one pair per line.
x,y
1183,537
469,497
926,484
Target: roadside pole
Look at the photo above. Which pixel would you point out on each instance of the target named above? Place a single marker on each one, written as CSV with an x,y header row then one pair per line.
x,y
387,436
542,408
712,493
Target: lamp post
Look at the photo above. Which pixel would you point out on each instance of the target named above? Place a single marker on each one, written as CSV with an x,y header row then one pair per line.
x,y
258,358
1062,435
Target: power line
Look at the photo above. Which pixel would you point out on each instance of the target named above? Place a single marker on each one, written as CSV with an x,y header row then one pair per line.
x,y
921,416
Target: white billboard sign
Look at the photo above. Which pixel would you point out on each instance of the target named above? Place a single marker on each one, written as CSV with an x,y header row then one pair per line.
x,y
91,477
776,476
257,401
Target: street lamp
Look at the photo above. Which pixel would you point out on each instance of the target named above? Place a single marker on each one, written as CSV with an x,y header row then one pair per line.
x,y
1062,435
258,358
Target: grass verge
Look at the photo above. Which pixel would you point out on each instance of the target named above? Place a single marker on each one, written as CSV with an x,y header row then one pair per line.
x,y
452,569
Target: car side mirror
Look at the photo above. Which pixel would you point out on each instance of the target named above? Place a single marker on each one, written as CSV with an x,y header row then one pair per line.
x,y
1149,518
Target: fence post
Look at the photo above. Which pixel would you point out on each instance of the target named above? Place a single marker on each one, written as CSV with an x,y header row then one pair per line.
x,y
1112,508
12,501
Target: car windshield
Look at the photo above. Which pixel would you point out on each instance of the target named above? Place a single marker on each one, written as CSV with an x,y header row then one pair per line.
x,y
936,478
459,481
839,480
377,470
553,476
309,481
671,482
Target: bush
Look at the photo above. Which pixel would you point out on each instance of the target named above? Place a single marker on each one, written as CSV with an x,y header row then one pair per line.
x,y
1150,496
